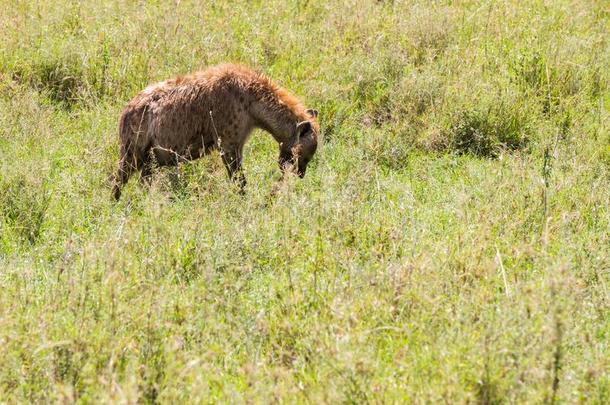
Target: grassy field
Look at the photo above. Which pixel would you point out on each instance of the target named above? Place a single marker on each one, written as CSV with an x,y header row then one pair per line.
x,y
450,242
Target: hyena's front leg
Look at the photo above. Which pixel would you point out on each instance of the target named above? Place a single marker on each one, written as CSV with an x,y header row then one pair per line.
x,y
232,160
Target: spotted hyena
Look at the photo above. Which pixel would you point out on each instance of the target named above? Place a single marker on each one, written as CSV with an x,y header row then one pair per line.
x,y
186,117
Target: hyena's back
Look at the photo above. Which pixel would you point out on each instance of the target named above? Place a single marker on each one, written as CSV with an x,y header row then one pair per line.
x,y
183,119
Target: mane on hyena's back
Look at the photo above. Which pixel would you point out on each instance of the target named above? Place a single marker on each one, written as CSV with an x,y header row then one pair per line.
x,y
245,79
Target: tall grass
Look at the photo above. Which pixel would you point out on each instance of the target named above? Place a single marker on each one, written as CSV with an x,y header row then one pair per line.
x,y
449,242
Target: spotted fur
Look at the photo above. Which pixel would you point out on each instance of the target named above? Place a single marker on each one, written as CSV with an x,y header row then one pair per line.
x,y
184,118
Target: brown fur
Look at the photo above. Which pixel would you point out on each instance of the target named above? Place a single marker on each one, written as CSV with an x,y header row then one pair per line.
x,y
186,117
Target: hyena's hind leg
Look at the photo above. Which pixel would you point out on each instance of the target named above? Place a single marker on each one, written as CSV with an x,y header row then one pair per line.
x,y
121,177
128,164
135,147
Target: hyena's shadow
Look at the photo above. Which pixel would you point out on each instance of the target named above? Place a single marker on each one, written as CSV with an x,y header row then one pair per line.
x,y
191,179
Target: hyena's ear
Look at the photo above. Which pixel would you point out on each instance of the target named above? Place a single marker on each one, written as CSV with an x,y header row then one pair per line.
x,y
303,128
313,113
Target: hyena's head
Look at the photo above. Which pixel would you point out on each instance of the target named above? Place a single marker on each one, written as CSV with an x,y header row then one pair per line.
x,y
296,153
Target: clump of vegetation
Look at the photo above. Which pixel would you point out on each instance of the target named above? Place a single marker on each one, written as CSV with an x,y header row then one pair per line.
x,y
549,83
62,80
374,90
24,208
487,133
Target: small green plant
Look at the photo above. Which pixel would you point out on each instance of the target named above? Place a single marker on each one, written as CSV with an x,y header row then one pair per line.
x,y
550,83
62,81
487,133
24,207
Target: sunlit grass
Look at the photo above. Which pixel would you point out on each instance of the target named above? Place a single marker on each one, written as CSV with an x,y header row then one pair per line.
x,y
448,244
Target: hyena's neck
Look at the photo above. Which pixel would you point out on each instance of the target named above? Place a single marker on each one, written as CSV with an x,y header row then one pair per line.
x,y
277,112
278,123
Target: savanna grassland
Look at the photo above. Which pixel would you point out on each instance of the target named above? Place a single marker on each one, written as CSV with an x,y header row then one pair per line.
x,y
449,243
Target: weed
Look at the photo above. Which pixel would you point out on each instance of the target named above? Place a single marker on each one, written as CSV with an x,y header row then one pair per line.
x,y
61,80
24,207
487,133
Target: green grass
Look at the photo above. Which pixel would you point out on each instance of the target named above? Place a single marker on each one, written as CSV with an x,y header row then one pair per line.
x,y
450,242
